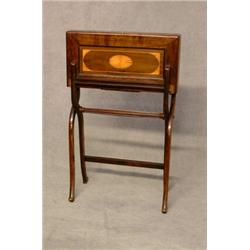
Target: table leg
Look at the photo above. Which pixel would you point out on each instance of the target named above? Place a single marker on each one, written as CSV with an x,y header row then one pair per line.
x,y
166,168
71,155
81,146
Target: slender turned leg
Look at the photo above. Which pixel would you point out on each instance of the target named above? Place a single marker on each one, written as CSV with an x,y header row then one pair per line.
x,y
166,168
71,155
81,143
167,146
168,117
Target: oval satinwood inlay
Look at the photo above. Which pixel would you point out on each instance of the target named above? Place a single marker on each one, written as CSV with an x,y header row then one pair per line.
x,y
135,61
120,61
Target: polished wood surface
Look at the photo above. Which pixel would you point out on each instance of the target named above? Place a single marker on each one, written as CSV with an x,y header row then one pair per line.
x,y
122,62
132,163
166,44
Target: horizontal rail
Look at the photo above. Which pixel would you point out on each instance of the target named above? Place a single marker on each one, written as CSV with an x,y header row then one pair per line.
x,y
158,88
132,163
121,112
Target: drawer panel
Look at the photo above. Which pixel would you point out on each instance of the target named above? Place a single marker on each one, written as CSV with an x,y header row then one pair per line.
x,y
121,61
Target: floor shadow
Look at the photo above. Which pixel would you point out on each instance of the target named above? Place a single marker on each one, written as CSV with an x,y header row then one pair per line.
x,y
172,179
125,173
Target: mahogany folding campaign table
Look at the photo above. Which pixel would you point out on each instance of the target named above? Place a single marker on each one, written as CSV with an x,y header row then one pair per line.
x,y
124,62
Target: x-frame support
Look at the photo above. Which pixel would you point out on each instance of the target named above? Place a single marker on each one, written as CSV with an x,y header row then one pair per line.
x,y
167,115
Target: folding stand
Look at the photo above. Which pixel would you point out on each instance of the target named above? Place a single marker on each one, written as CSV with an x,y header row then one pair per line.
x,y
122,62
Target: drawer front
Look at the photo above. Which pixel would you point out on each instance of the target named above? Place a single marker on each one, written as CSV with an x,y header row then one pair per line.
x,y
121,61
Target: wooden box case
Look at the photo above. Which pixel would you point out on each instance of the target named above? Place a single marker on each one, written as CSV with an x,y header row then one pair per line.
x,y
132,59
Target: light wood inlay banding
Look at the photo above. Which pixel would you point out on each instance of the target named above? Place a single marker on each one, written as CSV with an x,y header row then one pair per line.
x,y
130,61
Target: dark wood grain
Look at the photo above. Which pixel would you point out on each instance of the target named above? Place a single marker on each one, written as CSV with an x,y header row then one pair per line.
x,y
145,62
168,43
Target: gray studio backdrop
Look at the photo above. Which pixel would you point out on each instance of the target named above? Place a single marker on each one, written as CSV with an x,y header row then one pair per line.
x,y
120,207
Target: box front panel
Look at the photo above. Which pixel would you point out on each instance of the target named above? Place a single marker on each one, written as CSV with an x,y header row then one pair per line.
x,y
121,61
